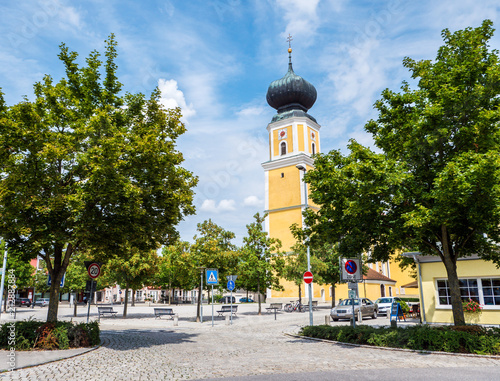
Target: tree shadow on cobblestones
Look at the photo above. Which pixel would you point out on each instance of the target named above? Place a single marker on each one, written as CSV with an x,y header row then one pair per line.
x,y
136,338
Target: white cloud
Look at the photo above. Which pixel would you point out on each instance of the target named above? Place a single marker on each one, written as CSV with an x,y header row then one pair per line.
x,y
227,205
172,97
253,201
251,111
301,16
223,206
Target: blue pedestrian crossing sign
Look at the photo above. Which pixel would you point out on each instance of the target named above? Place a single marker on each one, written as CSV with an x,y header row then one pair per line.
x,y
212,276
230,285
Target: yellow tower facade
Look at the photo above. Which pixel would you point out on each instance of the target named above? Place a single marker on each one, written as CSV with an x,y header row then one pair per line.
x,y
294,137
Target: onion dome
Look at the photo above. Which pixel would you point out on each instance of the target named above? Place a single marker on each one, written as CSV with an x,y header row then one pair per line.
x,y
292,92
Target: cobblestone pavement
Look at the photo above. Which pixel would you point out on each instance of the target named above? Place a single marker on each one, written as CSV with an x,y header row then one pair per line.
x,y
148,349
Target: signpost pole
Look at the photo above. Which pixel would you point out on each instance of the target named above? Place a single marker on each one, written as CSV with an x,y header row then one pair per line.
x,y
212,305
201,298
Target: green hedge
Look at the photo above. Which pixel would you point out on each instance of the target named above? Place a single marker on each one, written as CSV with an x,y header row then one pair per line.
x,y
469,339
30,334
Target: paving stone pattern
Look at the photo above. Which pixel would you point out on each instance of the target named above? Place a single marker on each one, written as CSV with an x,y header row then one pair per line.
x,y
141,349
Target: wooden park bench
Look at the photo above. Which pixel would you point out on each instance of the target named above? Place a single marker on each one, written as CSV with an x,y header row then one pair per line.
x,y
273,307
106,311
159,312
225,309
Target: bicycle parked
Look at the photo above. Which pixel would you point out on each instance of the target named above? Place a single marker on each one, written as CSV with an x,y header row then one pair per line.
x,y
294,306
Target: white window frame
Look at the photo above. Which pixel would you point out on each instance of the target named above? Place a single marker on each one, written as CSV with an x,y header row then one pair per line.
x,y
440,306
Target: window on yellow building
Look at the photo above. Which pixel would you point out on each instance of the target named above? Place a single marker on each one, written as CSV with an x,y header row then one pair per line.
x,y
283,148
313,148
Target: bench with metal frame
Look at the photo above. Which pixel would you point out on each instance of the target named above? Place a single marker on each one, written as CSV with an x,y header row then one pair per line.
x,y
159,312
230,309
106,311
273,307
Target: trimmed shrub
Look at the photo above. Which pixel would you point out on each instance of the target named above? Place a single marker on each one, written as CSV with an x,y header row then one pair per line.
x,y
57,335
468,339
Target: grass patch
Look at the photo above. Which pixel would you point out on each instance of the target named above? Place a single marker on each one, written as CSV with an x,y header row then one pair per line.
x,y
469,339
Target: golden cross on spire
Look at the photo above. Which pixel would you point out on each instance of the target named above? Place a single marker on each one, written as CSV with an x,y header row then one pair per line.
x,y
289,40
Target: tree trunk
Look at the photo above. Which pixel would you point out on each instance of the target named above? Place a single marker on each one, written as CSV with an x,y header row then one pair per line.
x,y
333,295
76,302
133,298
450,263
454,285
300,294
258,296
126,302
198,307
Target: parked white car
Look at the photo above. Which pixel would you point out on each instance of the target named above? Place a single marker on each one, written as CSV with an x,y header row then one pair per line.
x,y
384,304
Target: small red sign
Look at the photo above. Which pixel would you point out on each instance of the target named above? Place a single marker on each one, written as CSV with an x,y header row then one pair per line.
x,y
308,277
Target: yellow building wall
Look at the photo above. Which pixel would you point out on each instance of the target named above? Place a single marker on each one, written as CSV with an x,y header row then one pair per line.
x,y
300,132
466,269
402,277
284,191
288,140
279,226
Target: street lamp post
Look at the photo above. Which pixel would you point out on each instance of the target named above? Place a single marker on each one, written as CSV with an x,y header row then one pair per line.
x,y
302,168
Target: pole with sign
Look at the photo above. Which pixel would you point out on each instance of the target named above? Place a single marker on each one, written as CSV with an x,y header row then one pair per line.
x,y
230,286
94,270
212,279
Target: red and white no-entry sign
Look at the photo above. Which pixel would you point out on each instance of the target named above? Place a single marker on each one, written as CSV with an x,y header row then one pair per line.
x,y
308,277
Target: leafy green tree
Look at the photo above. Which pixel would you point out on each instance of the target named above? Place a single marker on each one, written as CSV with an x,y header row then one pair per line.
x,y
435,186
177,268
329,273
133,273
296,266
213,249
85,167
261,262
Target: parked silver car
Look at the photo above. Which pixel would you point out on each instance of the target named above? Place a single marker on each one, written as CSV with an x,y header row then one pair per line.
x,y
344,309
42,302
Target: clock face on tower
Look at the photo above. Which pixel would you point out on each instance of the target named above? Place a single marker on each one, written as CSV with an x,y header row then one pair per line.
x,y
282,133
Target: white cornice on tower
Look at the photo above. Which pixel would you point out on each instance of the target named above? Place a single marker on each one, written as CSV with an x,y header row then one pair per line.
x,y
288,161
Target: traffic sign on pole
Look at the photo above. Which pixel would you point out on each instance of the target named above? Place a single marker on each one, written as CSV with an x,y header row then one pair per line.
x,y
94,270
308,277
212,276
350,269
230,285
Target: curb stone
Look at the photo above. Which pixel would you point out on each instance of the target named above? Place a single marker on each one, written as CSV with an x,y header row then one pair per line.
x,y
496,357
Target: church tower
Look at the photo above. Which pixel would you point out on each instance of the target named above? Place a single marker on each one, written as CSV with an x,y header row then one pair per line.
x,y
294,137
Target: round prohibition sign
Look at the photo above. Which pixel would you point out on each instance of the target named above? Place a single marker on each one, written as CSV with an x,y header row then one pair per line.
x,y
351,267
94,270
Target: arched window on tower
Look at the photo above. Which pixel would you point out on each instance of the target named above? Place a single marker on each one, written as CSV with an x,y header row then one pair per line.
x,y
313,148
283,148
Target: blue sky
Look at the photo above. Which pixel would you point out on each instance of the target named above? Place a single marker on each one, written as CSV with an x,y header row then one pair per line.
x,y
215,59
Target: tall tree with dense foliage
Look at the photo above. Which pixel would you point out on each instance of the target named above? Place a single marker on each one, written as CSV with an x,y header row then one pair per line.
x,y
436,185
213,248
177,268
86,167
132,273
261,261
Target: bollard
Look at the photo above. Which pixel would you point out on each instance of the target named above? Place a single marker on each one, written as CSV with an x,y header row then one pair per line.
x,y
227,320
176,320
394,324
327,319
360,316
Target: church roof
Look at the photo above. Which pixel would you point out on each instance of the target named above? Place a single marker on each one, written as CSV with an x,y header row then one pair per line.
x,y
375,275
291,93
